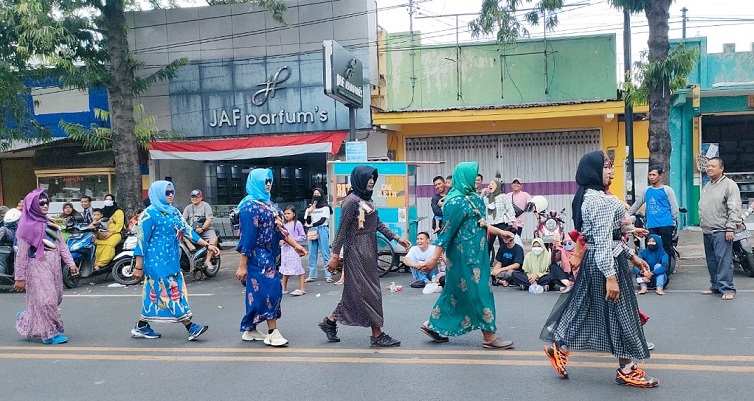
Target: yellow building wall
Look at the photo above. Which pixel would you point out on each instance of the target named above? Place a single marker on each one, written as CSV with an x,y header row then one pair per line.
x,y
613,135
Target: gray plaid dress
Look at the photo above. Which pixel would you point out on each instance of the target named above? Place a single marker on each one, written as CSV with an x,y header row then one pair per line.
x,y
588,321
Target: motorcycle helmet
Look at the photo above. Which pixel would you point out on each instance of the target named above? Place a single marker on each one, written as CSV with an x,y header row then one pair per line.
x,y
539,203
12,216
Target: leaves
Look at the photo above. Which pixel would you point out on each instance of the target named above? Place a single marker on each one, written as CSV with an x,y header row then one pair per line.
x,y
674,69
510,19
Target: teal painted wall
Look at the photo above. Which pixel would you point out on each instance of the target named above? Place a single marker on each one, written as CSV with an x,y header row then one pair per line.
x,y
720,67
578,68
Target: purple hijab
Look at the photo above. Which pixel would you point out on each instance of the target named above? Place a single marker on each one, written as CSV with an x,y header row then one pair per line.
x,y
31,226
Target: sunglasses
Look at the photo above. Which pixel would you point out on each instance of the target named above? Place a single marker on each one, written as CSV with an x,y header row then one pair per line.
x,y
268,181
169,192
43,203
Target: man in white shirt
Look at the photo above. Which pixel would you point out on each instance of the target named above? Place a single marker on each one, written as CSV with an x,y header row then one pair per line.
x,y
418,254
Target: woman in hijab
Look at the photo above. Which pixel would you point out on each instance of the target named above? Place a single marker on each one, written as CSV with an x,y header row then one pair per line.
x,y
601,313
262,230
108,240
657,259
157,256
317,218
37,270
499,211
466,302
361,302
68,211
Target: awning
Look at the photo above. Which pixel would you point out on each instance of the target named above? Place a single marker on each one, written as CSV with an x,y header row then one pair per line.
x,y
248,147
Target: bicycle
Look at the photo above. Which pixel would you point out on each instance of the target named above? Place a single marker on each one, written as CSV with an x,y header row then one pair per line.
x,y
388,259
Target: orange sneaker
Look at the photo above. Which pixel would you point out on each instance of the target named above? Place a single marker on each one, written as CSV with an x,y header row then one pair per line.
x,y
558,359
635,378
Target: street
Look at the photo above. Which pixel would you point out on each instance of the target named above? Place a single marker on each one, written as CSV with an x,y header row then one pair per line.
x,y
703,348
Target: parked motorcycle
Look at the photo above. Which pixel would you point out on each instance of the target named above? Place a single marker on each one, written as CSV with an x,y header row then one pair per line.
x,y
743,256
192,260
82,247
550,222
123,268
7,248
675,255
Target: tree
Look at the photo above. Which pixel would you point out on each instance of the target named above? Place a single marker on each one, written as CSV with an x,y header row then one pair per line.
x,y
84,43
659,75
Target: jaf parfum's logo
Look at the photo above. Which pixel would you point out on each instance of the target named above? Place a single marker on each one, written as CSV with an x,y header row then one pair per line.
x,y
271,86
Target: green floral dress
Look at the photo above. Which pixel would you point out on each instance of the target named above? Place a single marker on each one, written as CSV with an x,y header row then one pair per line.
x,y
466,302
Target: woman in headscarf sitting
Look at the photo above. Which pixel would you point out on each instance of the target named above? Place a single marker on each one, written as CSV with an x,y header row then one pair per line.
x,y
361,302
107,241
655,256
538,269
37,271
68,211
601,313
262,229
157,257
466,302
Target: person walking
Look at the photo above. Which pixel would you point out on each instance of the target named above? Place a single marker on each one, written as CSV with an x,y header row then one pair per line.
x,y
262,229
157,258
37,271
601,312
361,302
662,208
317,217
719,216
466,302
290,260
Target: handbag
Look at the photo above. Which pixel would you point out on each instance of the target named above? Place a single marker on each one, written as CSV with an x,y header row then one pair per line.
x,y
516,209
312,235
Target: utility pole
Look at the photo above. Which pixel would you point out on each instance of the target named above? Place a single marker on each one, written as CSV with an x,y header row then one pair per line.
x,y
629,111
683,10
413,48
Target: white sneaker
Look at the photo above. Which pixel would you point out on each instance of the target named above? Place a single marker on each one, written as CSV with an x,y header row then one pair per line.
x,y
275,339
253,335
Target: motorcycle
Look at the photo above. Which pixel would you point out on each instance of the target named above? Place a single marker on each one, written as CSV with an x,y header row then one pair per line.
x,y
743,256
123,269
550,222
7,250
675,255
82,247
192,260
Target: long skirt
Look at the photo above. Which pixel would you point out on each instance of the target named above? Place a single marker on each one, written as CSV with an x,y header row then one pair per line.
x,y
361,303
165,299
264,294
44,293
583,319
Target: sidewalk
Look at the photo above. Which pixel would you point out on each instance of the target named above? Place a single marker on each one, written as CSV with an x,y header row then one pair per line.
x,y
690,243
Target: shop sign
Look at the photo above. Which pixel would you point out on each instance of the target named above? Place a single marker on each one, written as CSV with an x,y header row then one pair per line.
x,y
343,75
356,151
751,101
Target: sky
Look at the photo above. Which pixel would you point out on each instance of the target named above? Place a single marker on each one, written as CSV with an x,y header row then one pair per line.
x,y
721,21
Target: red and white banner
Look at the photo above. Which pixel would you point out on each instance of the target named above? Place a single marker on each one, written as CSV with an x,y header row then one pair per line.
x,y
247,148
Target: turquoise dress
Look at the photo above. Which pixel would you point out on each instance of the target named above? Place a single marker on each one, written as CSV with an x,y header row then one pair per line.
x,y
164,297
466,302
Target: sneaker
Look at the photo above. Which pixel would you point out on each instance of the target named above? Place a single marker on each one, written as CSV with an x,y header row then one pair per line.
x,y
195,331
384,340
253,335
330,329
18,315
57,339
144,332
275,339
635,378
558,359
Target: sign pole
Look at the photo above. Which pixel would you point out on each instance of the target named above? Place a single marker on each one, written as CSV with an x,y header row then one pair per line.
x,y
351,123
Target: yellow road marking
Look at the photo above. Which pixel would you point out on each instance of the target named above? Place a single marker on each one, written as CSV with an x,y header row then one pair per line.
x,y
407,361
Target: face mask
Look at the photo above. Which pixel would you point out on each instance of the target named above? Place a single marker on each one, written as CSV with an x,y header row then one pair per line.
x,y
317,197
569,246
652,247
537,250
109,203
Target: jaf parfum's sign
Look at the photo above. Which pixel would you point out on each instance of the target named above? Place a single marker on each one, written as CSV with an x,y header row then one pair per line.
x,y
343,75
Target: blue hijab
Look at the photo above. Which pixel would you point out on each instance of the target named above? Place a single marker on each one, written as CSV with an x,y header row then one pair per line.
x,y
658,256
158,198
255,186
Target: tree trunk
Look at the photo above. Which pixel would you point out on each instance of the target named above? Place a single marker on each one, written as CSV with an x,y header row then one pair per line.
x,y
121,95
659,95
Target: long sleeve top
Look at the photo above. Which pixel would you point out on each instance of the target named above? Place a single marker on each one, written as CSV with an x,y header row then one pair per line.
x,y
602,215
500,211
720,206
23,262
436,208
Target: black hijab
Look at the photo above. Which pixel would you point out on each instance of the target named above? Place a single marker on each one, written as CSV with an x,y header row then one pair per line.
x,y
359,178
322,201
108,211
588,176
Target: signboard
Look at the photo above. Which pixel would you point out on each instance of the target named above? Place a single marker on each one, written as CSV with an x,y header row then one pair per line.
x,y
343,75
696,94
356,151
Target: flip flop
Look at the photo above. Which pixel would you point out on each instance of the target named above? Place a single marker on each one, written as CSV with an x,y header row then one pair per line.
x,y
728,296
710,292
436,337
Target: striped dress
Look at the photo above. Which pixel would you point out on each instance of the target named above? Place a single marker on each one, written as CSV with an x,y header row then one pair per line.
x,y
588,321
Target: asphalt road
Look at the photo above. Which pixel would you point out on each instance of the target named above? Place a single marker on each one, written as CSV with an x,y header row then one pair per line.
x,y
702,349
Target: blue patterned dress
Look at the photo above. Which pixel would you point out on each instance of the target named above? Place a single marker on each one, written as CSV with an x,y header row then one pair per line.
x,y
164,298
260,243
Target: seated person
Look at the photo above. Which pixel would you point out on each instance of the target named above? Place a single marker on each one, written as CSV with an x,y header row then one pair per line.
x,y
418,254
658,262
560,262
536,268
108,235
68,211
509,259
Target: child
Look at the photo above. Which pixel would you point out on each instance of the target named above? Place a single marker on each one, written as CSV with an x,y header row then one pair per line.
x,y
290,261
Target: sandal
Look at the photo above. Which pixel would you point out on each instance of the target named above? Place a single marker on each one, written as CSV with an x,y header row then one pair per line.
x,y
710,292
498,343
309,280
329,280
435,336
643,290
660,291
297,293
502,283
728,296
